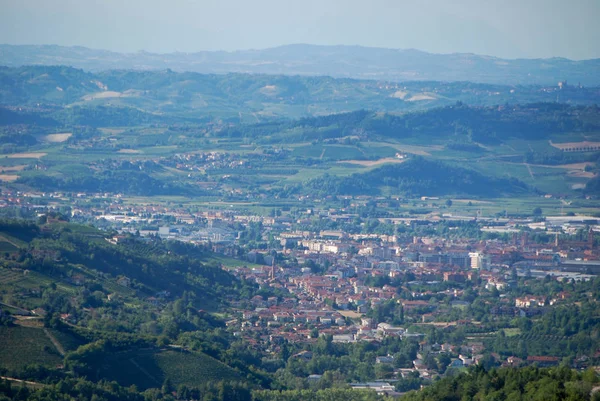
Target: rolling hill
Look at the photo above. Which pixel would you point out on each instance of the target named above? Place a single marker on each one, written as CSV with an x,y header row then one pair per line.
x,y
125,98
396,65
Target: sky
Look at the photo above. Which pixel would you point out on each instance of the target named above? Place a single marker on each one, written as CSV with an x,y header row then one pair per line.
x,y
501,28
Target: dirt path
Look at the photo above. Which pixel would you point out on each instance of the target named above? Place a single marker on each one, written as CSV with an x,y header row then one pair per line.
x,y
3,238
57,345
32,384
24,311
322,153
529,169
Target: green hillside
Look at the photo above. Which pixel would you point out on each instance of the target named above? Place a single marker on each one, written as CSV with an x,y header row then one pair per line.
x,y
418,177
144,368
512,384
137,312
62,250
162,96
180,367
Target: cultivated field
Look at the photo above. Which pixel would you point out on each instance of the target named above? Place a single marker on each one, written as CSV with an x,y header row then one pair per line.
x,y
149,368
8,177
10,275
371,163
102,95
7,169
32,155
576,146
21,346
57,138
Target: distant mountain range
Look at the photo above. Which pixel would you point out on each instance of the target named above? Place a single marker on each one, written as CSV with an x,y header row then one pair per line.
x,y
311,60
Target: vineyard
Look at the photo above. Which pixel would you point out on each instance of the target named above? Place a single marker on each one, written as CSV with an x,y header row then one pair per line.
x,y
68,341
149,368
192,368
22,346
8,276
7,247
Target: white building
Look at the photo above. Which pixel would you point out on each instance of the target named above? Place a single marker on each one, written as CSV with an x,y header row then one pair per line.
x,y
479,260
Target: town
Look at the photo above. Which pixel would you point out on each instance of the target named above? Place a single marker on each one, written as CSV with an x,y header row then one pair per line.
x,y
368,280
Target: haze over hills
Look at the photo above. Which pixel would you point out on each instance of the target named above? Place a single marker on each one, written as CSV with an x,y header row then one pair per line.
x,y
371,202
336,61
253,98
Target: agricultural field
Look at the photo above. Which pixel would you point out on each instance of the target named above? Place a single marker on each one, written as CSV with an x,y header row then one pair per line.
x,y
192,367
66,340
57,138
14,282
150,368
30,155
10,276
228,262
22,346
6,246
8,177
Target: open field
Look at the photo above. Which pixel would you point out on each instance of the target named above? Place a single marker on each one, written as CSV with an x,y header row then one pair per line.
x,y
415,149
584,146
512,332
57,138
32,155
524,205
112,131
371,163
472,201
29,321
8,177
574,169
7,169
351,314
229,262
420,97
103,95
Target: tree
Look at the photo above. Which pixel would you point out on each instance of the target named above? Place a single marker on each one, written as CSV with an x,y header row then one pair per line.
x,y
384,371
537,211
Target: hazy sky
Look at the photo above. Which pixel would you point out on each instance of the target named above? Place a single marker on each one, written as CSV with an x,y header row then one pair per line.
x,y
503,28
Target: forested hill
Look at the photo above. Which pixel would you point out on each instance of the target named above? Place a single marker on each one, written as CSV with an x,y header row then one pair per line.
x,y
457,123
164,95
525,384
62,250
340,61
82,308
417,177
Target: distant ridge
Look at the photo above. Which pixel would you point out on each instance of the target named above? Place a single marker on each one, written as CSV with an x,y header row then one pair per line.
x,y
311,60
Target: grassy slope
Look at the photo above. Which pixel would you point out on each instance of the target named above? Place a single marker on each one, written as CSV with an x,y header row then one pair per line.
x,y
149,368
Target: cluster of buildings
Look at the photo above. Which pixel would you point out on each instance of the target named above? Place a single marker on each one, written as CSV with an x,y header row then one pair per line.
x,y
336,299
